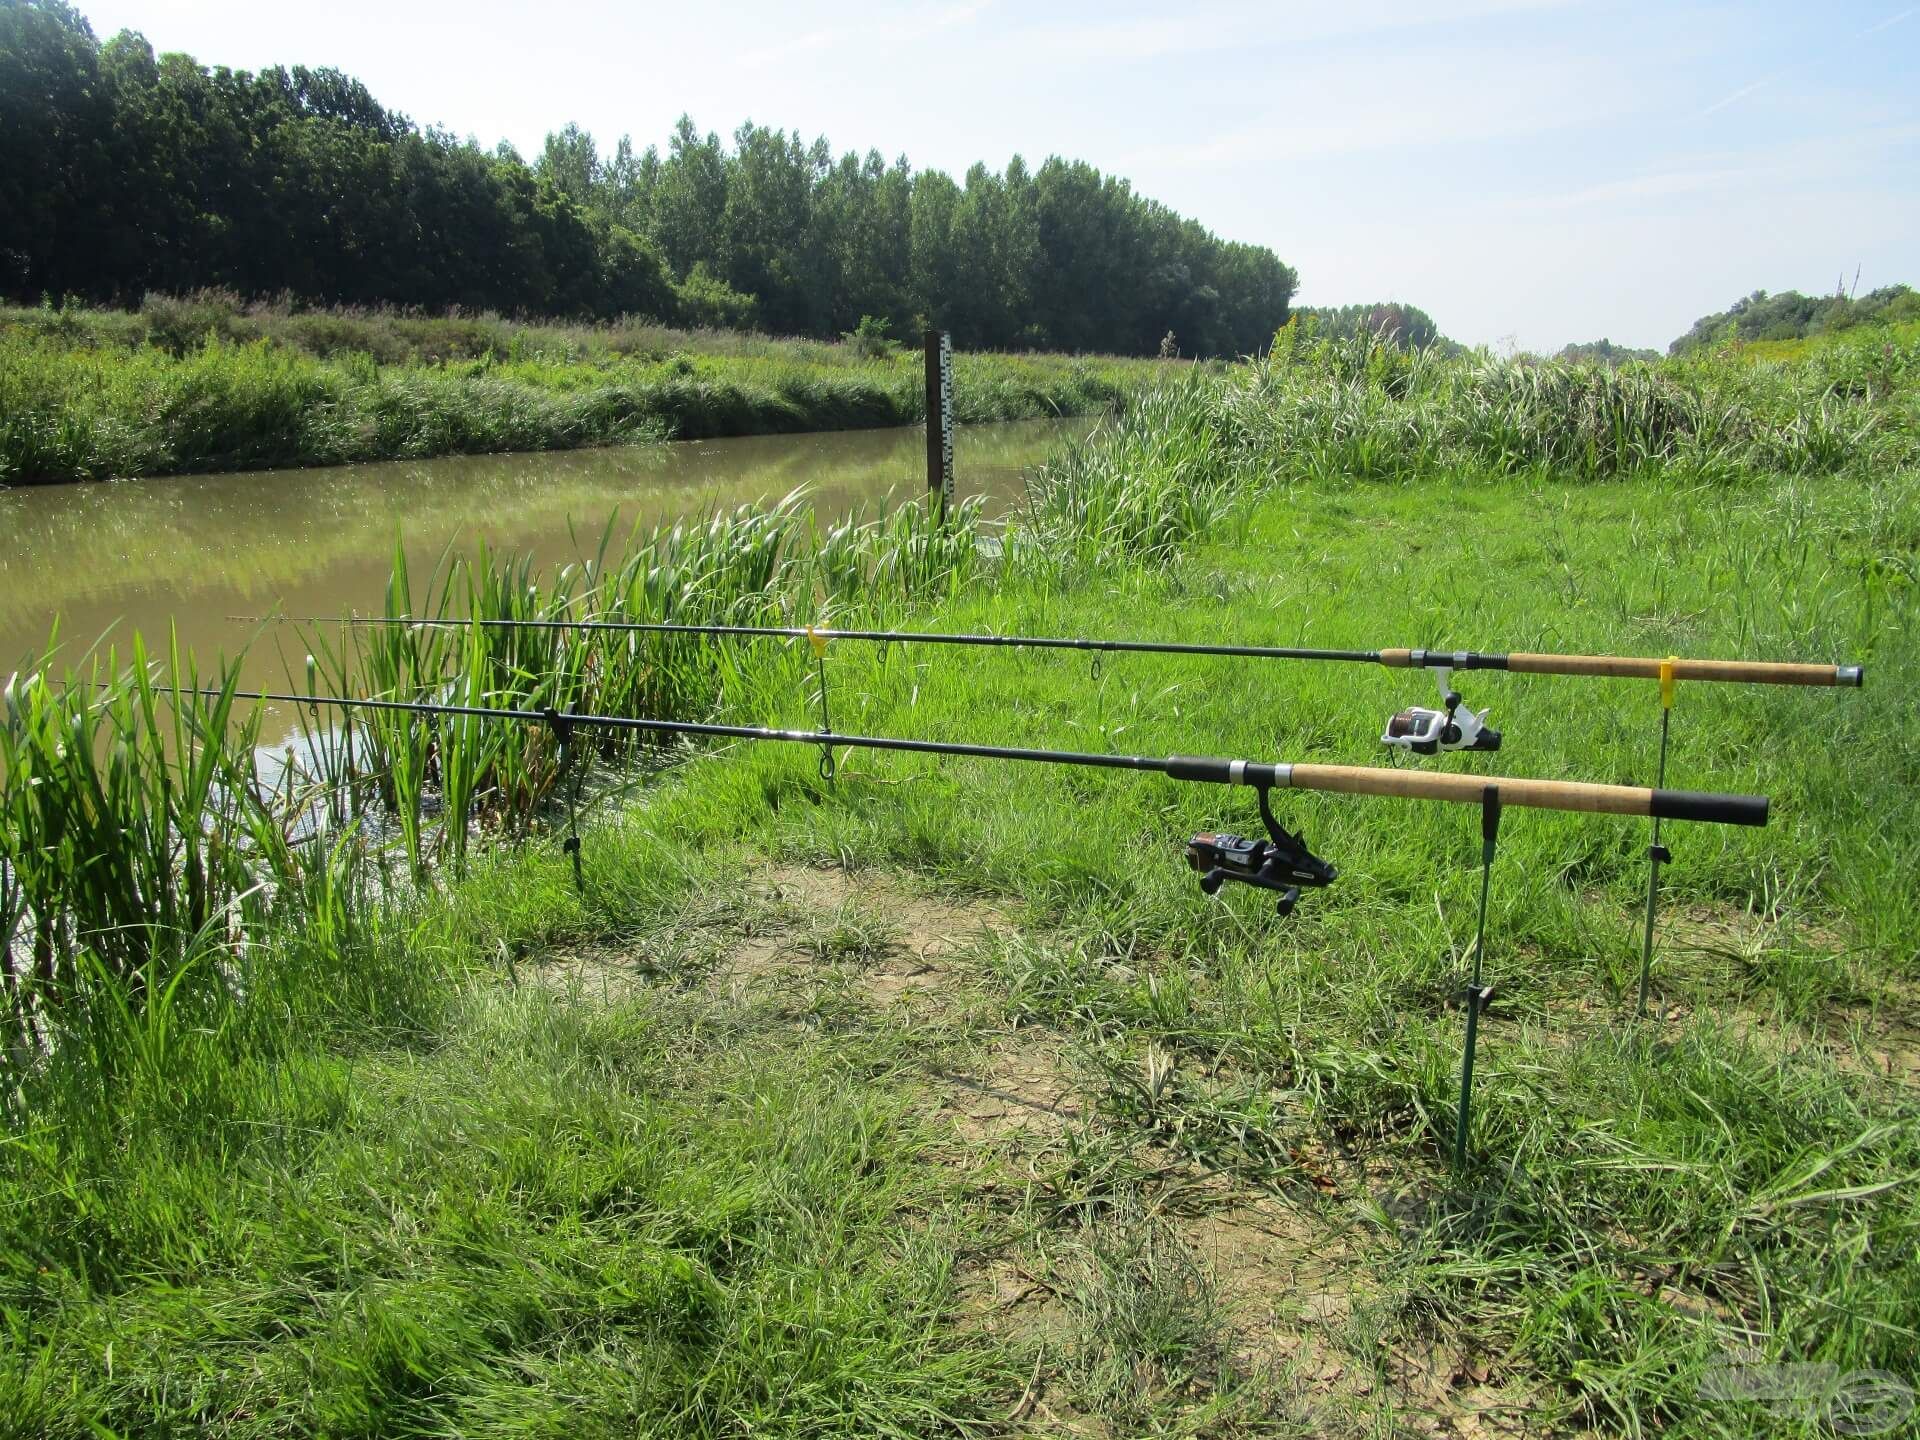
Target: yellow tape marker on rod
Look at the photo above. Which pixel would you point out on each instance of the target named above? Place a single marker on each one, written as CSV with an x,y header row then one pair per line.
x,y
1666,680
817,640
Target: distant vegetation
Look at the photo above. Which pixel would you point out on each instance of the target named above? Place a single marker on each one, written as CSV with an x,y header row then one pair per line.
x,y
123,172
1771,321
1604,352
1407,326
1337,411
206,382
1793,316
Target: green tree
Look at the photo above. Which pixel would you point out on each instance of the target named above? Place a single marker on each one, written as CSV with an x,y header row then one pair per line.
x,y
123,172
691,200
570,163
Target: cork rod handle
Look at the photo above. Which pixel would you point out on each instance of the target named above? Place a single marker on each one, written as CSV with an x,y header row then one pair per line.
x,y
1537,794
1626,667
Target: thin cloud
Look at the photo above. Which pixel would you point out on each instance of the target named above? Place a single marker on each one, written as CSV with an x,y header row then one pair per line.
x,y
832,38
812,42
1643,187
1234,26
1820,159
1740,94
1424,101
959,14
1766,80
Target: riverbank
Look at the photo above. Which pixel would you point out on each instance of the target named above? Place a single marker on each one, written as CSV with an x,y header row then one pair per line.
x,y
189,387
937,1099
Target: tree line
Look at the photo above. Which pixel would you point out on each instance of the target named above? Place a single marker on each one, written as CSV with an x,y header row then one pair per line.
x,y
124,172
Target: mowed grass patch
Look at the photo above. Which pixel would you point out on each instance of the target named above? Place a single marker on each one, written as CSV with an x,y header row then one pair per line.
x,y
1647,1198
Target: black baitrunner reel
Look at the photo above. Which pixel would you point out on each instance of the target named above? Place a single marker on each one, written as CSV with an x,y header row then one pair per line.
x,y
1281,862
1427,732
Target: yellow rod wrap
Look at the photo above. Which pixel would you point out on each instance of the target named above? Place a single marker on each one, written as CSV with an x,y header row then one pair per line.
x,y
1666,680
817,640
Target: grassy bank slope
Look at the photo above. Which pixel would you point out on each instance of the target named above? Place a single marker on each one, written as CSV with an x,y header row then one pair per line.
x,y
205,385
722,1145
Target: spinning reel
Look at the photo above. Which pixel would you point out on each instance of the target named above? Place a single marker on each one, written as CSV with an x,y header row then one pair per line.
x,y
1427,732
1281,862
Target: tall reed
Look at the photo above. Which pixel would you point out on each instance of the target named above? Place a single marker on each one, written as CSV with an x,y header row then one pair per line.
x,y
133,826
1332,412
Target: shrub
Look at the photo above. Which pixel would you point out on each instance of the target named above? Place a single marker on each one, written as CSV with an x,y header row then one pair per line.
x,y
869,340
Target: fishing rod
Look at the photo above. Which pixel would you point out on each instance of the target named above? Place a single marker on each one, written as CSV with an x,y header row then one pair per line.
x,y
1418,730
1282,863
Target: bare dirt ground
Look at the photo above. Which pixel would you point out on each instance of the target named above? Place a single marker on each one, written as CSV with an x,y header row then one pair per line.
x,y
1151,1291
1876,1033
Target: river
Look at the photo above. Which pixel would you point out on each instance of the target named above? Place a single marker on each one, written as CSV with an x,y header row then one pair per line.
x,y
105,560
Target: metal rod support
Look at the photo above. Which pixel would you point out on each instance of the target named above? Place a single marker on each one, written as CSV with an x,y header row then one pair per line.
x,y
1656,853
1477,995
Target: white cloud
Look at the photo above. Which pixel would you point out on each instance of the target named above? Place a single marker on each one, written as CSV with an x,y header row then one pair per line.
x,y
813,42
866,34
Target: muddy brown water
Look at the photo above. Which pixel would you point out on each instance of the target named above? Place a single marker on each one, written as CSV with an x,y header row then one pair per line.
x,y
105,560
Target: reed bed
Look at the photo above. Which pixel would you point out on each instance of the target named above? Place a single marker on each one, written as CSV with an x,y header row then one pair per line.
x,y
142,813
1332,412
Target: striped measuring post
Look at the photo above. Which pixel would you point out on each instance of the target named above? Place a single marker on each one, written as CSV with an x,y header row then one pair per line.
x,y
940,419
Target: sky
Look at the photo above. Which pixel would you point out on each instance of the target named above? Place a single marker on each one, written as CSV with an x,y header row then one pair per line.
x,y
1530,172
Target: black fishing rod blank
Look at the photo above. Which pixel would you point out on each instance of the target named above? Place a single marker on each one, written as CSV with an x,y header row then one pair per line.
x,y
1417,730
1573,795
882,637
1624,667
1281,863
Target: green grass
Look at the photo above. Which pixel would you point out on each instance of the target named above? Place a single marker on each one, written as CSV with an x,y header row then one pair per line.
x,y
205,385
373,1167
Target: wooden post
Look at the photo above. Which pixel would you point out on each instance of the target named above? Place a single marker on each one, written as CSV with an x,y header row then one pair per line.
x,y
940,420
